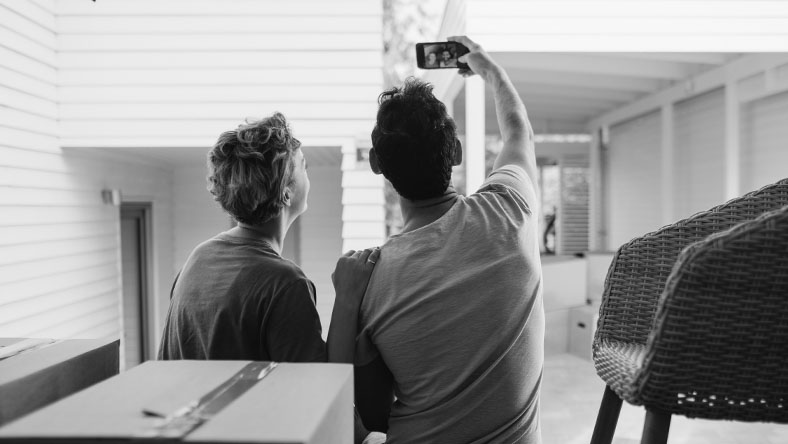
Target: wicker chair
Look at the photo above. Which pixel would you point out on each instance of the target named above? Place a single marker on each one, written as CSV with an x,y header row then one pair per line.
x,y
694,319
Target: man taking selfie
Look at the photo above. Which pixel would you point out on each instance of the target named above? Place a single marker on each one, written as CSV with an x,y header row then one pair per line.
x,y
452,321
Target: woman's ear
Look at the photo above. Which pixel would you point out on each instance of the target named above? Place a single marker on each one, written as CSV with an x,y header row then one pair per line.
x,y
373,161
457,154
288,193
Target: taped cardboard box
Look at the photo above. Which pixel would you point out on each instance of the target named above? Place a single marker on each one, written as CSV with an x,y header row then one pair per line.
x,y
37,372
291,403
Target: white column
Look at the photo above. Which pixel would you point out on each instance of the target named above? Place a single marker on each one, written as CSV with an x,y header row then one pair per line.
x,y
732,143
474,133
595,193
668,167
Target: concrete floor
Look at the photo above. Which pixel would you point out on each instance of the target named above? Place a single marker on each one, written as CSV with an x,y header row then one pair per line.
x,y
571,393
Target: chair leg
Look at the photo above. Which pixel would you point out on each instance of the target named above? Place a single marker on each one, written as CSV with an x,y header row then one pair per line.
x,y
607,418
657,426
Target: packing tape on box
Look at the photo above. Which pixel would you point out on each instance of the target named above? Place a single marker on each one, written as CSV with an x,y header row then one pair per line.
x,y
187,418
24,346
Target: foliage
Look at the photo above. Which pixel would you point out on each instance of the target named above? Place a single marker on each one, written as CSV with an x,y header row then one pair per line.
x,y
405,23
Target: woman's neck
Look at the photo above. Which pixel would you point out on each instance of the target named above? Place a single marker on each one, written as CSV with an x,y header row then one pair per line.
x,y
419,213
272,232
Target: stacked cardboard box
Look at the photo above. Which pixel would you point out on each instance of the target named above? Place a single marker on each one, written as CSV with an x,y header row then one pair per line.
x,y
34,373
292,403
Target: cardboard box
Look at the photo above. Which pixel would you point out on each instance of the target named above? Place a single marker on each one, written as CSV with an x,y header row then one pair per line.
x,y
45,371
294,403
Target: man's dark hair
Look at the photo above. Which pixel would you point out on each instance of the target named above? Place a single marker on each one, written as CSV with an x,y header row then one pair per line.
x,y
250,167
414,139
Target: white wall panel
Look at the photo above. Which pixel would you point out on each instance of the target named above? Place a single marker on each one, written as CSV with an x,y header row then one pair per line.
x,y
321,233
764,144
699,146
643,25
633,164
197,217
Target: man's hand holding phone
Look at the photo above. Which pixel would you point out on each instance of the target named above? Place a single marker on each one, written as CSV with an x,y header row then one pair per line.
x,y
477,60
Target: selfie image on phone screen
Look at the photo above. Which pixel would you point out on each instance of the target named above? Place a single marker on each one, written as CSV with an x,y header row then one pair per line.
x,y
440,55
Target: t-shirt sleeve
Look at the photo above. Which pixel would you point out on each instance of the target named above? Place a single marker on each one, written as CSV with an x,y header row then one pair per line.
x,y
293,332
512,178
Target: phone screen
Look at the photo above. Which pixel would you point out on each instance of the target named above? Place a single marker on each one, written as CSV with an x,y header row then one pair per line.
x,y
440,55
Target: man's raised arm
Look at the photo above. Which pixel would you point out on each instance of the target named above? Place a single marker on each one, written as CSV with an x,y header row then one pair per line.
x,y
516,131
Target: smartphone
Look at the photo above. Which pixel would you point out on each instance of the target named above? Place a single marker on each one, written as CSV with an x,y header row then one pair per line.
x,y
440,55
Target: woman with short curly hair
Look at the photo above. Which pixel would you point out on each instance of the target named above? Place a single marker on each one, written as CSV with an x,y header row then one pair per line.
x,y
236,297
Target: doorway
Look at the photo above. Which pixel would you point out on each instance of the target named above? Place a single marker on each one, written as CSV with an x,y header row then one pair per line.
x,y
134,233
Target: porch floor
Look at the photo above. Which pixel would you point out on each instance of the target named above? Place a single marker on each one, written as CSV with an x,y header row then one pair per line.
x,y
571,392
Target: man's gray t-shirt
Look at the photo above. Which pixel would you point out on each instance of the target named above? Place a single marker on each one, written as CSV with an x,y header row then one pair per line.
x,y
455,310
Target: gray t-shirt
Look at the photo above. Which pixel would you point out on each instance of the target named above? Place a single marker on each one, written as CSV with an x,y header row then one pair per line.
x,y
455,310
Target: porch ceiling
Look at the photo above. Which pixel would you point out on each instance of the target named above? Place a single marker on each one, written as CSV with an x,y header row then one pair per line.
x,y
563,91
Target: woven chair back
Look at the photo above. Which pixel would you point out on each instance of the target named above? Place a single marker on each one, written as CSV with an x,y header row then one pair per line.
x,y
641,267
719,349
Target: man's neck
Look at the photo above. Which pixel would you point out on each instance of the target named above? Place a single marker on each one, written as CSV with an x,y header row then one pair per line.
x,y
419,213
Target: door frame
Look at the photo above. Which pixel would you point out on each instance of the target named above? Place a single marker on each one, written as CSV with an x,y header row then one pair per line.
x,y
145,267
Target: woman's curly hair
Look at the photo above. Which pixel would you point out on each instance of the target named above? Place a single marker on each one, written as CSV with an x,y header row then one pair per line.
x,y
249,168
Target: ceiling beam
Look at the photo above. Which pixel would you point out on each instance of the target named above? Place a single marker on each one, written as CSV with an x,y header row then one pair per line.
x,y
595,64
733,71
704,58
596,81
542,97
525,87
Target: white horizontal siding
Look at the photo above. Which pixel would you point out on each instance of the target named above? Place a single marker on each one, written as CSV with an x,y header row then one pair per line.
x,y
179,73
39,14
16,254
207,25
213,111
59,269
227,59
210,93
185,132
764,150
363,227
304,41
699,141
212,8
57,238
28,66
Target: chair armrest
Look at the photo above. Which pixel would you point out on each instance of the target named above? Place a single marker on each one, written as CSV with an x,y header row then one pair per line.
x,y
637,276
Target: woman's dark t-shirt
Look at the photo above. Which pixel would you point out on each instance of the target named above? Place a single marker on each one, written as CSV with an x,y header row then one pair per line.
x,y
237,299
